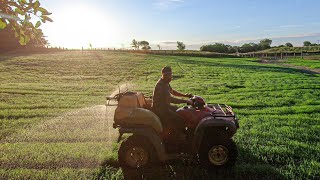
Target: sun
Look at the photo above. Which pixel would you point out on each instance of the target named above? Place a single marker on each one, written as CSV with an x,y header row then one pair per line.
x,y
80,25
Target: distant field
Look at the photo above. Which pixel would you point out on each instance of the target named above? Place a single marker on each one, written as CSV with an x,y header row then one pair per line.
x,y
293,49
53,124
312,62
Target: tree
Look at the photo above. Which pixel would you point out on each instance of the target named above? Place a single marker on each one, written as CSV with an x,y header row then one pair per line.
x,y
249,47
138,44
289,44
307,43
159,47
16,16
231,49
134,44
217,47
265,44
145,45
181,46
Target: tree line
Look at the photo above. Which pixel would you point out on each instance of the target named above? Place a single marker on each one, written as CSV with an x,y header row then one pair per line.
x,y
264,44
247,47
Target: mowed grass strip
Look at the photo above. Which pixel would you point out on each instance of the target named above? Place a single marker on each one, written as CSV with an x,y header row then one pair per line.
x,y
54,155
53,123
62,173
278,109
312,62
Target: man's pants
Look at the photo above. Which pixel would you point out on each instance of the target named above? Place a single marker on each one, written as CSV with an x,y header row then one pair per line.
x,y
170,119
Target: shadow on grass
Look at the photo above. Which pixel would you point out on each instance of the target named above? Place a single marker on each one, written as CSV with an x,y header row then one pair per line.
x,y
25,52
248,167
250,67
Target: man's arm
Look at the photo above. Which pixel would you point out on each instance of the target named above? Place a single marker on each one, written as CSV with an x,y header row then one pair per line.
x,y
176,93
179,101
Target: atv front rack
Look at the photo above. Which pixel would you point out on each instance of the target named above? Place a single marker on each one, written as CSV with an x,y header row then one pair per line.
x,y
225,111
224,108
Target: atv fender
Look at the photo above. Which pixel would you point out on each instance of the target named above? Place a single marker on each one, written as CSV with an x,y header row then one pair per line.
x,y
153,137
209,123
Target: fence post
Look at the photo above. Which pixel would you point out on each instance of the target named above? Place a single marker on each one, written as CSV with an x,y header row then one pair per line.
x,y
281,56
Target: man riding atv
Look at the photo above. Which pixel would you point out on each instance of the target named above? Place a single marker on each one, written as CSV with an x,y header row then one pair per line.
x,y
172,122
200,132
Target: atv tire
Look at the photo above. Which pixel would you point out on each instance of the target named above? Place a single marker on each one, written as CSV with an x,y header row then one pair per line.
x,y
216,154
136,152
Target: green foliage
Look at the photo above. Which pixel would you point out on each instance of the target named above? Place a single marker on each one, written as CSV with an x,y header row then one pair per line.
x,y
16,16
307,43
219,48
135,44
37,24
265,44
289,44
248,47
3,24
181,46
145,45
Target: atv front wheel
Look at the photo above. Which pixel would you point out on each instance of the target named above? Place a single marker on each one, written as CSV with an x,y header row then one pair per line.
x,y
220,154
136,152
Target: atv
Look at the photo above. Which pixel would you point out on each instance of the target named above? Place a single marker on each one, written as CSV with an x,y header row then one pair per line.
x,y
209,131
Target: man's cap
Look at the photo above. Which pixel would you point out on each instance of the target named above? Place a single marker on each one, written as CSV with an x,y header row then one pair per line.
x,y
166,70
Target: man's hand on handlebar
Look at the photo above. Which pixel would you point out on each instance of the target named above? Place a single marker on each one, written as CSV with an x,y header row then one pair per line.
x,y
188,95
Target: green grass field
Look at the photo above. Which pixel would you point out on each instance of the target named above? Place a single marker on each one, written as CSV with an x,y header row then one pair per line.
x,y
53,120
312,62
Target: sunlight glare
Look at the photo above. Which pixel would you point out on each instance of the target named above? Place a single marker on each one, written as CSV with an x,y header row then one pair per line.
x,y
79,26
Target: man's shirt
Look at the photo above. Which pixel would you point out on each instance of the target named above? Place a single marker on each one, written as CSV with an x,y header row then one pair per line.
x,y
162,96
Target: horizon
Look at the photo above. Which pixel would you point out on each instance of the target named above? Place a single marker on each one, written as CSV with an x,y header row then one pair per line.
x,y
114,24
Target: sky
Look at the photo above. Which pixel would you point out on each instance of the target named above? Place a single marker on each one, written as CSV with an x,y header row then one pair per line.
x,y
115,23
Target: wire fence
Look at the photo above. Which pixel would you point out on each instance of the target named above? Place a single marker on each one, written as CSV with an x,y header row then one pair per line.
x,y
191,53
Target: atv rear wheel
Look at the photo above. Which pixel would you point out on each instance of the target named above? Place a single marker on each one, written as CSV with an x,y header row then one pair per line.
x,y
218,154
136,152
